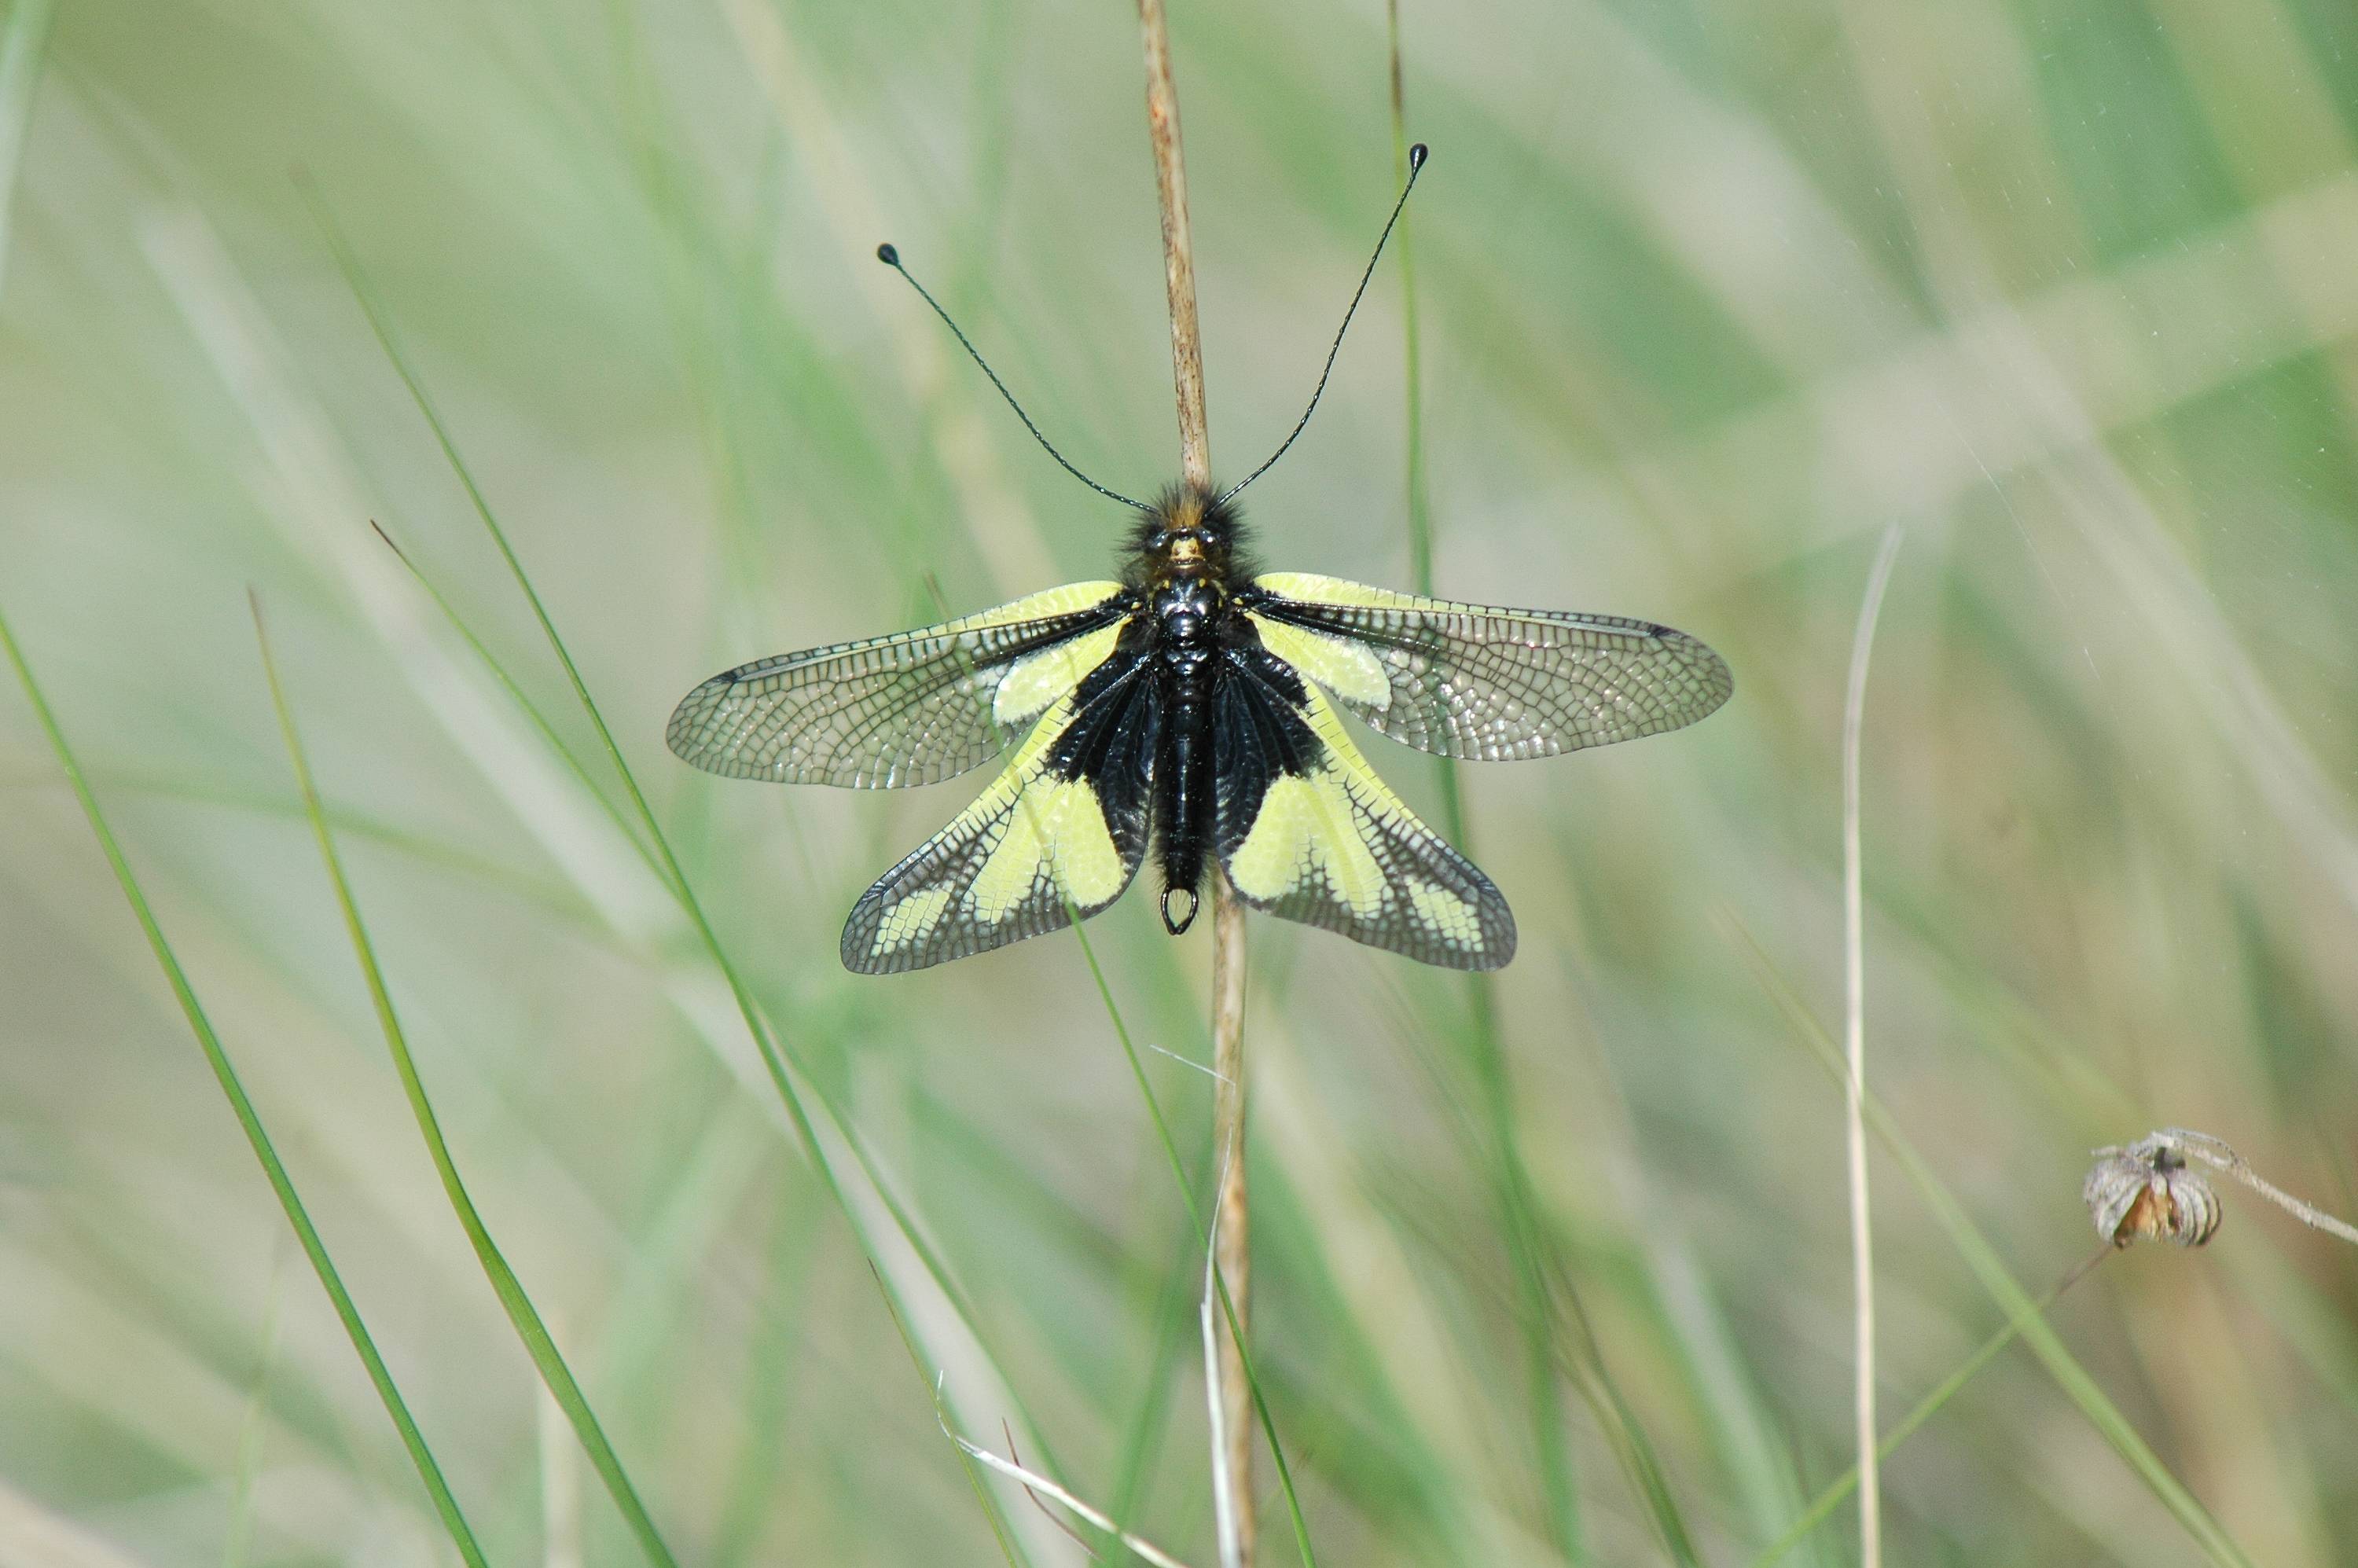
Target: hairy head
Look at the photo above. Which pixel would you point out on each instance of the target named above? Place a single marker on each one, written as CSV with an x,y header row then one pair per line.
x,y
1188,532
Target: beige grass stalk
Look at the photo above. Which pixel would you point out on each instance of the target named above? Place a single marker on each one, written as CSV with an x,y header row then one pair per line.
x,y
1862,1254
1232,1215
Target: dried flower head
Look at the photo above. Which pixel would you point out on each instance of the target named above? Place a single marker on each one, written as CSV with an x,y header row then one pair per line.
x,y
2144,1192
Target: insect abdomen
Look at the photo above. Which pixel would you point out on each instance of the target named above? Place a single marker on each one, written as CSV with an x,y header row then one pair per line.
x,y
1184,613
1183,780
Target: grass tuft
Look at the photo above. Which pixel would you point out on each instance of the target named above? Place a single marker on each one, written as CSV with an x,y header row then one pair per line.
x,y
2022,1313
1679,329
530,1328
249,1121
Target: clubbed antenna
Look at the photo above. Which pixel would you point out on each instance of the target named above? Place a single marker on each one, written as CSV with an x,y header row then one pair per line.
x,y
890,256
1415,164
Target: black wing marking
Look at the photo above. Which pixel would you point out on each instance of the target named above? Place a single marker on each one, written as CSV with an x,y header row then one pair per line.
x,y
1063,826
912,709
1481,683
1307,831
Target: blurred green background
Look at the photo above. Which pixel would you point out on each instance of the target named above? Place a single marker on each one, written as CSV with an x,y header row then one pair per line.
x,y
1710,295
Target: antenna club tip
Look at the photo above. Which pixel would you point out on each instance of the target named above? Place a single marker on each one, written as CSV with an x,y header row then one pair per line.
x,y
889,254
1416,156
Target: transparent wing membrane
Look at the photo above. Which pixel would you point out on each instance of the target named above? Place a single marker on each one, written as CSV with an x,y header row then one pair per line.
x,y
912,709
1486,684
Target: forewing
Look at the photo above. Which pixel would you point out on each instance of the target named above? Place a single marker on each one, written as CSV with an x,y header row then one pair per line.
x,y
912,709
1482,683
1307,831
1065,827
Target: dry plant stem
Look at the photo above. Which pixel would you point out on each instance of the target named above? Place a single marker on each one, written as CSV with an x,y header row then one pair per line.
x,y
1870,1508
2215,1154
1233,1210
1926,1408
1224,1501
1036,1484
1178,246
1232,1213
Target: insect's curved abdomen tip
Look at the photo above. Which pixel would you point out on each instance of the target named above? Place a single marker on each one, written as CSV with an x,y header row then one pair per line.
x,y
1179,923
889,254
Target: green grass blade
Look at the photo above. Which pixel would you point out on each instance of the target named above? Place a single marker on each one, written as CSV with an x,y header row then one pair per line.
x,y
20,73
982,1497
553,899
1842,1485
237,1540
1203,1240
523,700
2005,1291
350,266
429,1472
667,870
762,1030
527,1319
767,1041
1134,1466
1187,1196
1537,1266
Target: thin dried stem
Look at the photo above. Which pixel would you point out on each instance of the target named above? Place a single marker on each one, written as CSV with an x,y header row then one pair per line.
x,y
2215,1154
1926,1408
1178,246
1870,1508
1224,1502
1033,1482
1233,1214
1007,1431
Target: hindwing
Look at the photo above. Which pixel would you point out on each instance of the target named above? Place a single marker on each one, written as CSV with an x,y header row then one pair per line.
x,y
1307,831
912,709
1061,831
1482,683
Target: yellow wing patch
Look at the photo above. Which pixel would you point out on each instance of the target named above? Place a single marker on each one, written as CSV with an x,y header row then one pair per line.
x,y
1315,588
1047,603
1307,830
1334,847
911,919
1031,685
1350,670
1447,915
1055,833
1012,865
